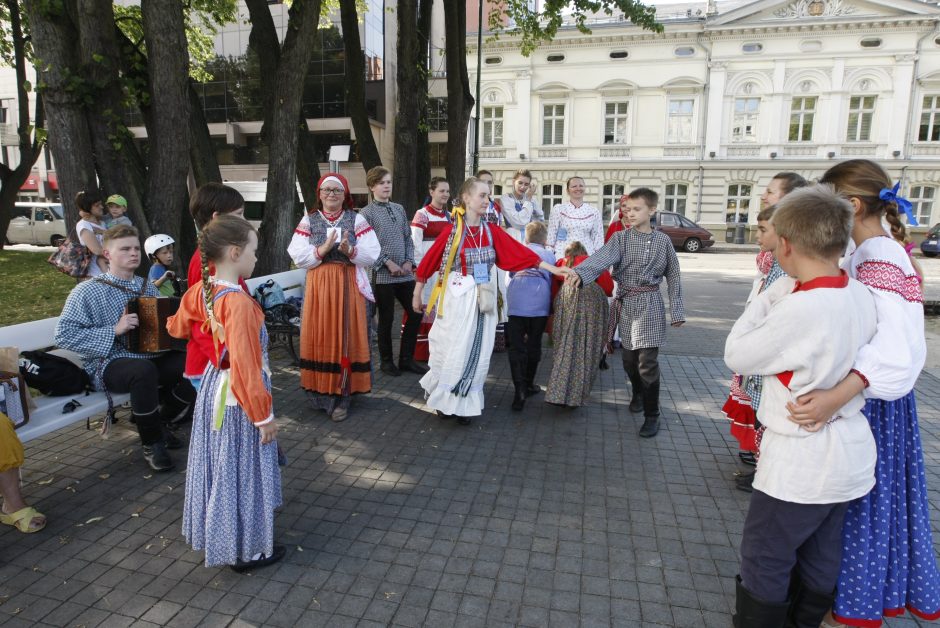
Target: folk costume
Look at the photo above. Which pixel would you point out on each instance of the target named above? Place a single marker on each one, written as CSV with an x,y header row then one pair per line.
x,y
518,212
640,262
568,224
578,334
428,223
464,300
334,344
800,339
233,483
888,560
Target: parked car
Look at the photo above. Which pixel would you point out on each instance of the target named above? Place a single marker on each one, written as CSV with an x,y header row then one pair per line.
x,y
37,223
684,233
930,247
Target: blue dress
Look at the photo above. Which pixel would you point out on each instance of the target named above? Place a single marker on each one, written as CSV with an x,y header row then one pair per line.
x,y
888,562
233,483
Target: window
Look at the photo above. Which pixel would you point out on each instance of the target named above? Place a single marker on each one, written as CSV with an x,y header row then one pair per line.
x,y
861,110
493,60
675,198
870,42
668,220
610,200
615,123
922,200
802,112
684,51
680,121
811,45
437,114
555,58
930,120
493,126
751,48
553,124
438,152
739,202
374,40
551,196
744,125
619,54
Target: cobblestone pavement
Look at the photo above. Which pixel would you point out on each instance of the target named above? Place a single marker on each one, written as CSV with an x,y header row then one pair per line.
x,y
394,517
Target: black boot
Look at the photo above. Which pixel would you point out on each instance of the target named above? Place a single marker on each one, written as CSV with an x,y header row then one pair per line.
x,y
158,457
517,368
603,365
518,400
753,612
178,404
650,410
744,482
531,368
389,367
411,366
636,386
808,607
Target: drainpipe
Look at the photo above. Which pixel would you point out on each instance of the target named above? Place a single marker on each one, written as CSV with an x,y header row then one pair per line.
x,y
705,93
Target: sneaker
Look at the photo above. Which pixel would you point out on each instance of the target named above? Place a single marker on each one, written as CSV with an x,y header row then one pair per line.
x,y
650,427
157,457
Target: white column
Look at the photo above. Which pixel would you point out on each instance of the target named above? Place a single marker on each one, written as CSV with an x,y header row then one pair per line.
x,y
904,106
523,115
714,125
834,133
778,108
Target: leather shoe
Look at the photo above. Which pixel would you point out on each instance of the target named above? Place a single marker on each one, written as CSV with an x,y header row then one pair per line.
x,y
443,416
650,427
157,457
518,400
171,440
264,561
532,390
413,367
390,369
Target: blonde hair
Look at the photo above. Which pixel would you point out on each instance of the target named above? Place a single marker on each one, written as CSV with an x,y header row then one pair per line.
x,y
375,175
118,232
222,232
815,220
466,188
522,173
572,251
864,179
536,232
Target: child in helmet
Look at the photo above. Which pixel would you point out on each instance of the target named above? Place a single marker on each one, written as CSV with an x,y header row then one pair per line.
x,y
159,248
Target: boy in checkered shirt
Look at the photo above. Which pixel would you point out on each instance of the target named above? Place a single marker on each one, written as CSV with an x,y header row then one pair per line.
x,y
640,257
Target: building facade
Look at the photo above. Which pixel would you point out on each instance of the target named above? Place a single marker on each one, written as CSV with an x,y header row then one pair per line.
x,y
709,111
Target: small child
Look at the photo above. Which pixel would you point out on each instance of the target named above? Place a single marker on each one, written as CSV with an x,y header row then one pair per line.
x,y
159,248
641,258
529,298
801,336
117,207
233,483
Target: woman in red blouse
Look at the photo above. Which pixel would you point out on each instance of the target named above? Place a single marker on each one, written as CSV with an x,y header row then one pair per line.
x,y
465,256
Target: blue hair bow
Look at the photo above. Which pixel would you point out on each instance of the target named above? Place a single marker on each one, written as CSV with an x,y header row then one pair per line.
x,y
904,205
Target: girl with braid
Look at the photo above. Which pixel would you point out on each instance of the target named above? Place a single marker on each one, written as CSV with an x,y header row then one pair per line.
x,y
466,256
233,484
888,559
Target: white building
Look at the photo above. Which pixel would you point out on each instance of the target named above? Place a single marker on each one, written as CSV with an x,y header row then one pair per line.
x,y
709,111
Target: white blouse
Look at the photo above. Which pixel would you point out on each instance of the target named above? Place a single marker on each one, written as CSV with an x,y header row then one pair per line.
x,y
568,224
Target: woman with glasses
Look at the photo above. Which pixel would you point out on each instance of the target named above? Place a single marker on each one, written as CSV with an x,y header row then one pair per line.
x,y
335,245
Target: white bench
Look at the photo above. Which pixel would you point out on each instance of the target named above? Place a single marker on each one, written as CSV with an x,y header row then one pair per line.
x,y
47,416
293,282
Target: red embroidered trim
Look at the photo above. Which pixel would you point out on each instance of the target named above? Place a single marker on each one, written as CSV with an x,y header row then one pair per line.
x,y
364,231
302,232
861,375
889,277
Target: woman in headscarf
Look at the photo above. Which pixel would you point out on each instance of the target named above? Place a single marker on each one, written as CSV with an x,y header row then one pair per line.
x,y
335,245
466,255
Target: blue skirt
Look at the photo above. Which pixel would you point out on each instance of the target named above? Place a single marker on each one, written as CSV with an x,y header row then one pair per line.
x,y
233,483
888,561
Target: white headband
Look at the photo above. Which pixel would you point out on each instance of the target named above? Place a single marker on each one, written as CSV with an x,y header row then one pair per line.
x,y
340,183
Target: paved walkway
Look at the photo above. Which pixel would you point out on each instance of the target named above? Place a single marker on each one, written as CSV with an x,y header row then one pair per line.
x,y
548,517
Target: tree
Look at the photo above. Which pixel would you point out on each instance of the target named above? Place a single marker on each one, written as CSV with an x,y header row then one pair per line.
x,y
356,86
459,98
15,50
288,63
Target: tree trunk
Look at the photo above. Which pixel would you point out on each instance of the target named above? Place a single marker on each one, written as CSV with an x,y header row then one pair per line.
x,y
308,169
423,162
459,97
356,85
405,188
11,179
283,133
54,39
202,156
165,34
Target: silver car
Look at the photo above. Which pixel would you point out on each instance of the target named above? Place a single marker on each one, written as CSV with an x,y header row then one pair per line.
x,y
37,223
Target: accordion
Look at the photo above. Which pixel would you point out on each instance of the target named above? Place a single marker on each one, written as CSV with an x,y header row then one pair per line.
x,y
151,335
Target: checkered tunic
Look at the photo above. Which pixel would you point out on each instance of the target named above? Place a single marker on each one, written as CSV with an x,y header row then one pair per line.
x,y
393,230
639,260
86,325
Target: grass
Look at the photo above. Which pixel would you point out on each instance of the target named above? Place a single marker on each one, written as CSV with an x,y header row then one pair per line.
x,y
30,288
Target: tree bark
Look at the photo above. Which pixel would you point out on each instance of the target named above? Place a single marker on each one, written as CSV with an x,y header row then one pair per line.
x,y
30,147
423,162
308,169
404,177
356,85
283,132
459,97
168,54
55,39
202,156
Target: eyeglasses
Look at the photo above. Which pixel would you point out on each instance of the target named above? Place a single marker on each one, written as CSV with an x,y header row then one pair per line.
x,y
332,191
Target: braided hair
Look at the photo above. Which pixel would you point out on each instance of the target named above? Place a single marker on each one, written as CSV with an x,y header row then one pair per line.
x,y
864,179
216,237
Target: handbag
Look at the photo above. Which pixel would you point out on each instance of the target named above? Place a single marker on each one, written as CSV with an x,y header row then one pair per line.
x,y
486,298
72,258
13,400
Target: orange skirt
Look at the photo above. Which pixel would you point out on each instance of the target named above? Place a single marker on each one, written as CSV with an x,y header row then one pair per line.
x,y
334,345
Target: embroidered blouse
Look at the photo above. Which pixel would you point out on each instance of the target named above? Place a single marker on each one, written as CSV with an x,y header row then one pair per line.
x,y
310,234
510,255
568,224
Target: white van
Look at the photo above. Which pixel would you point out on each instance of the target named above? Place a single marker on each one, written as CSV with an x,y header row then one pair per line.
x,y
37,223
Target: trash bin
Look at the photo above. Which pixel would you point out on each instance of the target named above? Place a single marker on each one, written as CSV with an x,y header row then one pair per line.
x,y
739,233
729,234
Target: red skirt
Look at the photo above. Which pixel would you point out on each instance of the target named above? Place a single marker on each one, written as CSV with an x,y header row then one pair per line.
x,y
741,413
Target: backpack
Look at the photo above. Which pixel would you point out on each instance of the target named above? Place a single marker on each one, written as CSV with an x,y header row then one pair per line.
x,y
72,258
53,375
269,294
